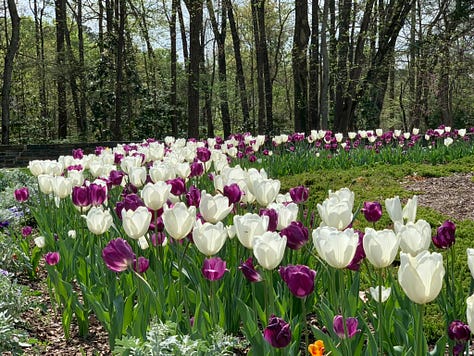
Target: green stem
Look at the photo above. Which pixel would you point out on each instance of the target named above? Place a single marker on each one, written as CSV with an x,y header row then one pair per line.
x,y
181,286
380,311
269,307
305,324
420,344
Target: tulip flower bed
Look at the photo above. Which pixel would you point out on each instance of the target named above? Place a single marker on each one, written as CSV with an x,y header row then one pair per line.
x,y
200,234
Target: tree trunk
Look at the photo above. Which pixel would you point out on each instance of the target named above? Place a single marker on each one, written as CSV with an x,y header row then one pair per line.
x,y
60,11
121,15
246,125
8,70
221,63
266,68
173,72
260,71
195,26
324,103
300,71
314,68
81,73
40,66
341,109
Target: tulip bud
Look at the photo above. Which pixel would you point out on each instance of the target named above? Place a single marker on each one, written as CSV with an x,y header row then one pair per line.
x,y
296,235
214,268
52,258
118,255
299,194
272,218
141,265
445,236
351,326
26,231
459,332
372,211
233,193
299,279
249,271
278,332
22,194
80,196
374,292
40,241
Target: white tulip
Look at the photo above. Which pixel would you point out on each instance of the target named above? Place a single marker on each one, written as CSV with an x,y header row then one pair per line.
x,y
248,226
269,249
98,220
209,238
154,195
179,220
336,247
136,222
381,247
421,277
470,260
414,237
214,208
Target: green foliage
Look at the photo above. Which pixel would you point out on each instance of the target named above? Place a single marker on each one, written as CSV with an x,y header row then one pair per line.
x,y
163,339
14,300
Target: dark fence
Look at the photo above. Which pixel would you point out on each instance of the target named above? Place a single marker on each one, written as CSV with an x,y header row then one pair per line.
x,y
19,155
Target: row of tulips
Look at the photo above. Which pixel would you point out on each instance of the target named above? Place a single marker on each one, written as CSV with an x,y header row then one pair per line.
x,y
133,234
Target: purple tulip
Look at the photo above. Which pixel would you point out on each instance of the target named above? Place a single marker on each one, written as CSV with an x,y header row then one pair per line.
x,y
116,177
129,202
197,169
299,194
141,265
233,192
445,236
354,265
278,332
272,218
351,326
22,194
118,255
80,196
97,194
458,349
26,231
296,235
459,332
178,186
193,196
213,268
52,258
203,154
77,153
299,279
249,271
372,211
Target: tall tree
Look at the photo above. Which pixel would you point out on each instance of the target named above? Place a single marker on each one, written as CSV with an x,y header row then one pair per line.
x,y
314,70
300,71
60,14
239,68
12,49
195,26
121,14
220,37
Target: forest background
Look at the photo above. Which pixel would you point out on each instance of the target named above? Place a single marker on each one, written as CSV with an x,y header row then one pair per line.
x,y
83,70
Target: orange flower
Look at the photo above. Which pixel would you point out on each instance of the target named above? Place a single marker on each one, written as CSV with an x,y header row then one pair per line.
x,y
316,348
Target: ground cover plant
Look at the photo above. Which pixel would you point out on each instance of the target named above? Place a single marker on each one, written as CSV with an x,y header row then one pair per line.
x,y
285,242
